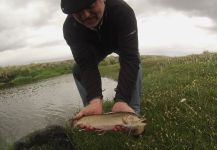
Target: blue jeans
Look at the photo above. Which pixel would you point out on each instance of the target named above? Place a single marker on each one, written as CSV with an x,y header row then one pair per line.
x,y
135,100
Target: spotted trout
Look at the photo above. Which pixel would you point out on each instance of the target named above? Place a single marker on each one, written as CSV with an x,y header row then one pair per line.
x,y
105,122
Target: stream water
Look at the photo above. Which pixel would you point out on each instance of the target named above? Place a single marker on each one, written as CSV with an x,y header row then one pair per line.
x,y
30,107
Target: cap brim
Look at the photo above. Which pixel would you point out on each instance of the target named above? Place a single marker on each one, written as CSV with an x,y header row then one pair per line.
x,y
73,6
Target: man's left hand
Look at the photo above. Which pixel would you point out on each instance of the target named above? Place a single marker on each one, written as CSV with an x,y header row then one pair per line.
x,y
122,107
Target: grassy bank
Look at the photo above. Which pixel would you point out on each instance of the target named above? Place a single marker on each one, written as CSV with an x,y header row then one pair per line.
x,y
18,75
179,99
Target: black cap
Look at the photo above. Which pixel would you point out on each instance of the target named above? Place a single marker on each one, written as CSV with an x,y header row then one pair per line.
x,y
72,6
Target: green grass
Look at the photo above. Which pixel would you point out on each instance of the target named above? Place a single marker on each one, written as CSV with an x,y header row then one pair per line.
x,y
19,75
110,71
179,100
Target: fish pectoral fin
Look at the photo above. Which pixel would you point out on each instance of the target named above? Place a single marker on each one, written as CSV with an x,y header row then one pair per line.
x,y
100,131
80,130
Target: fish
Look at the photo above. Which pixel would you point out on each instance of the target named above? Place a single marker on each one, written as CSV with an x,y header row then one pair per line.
x,y
134,123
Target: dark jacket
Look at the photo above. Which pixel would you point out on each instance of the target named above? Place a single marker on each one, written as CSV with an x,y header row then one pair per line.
x,y
118,34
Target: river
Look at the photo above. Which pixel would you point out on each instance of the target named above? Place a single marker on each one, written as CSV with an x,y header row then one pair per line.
x,y
27,108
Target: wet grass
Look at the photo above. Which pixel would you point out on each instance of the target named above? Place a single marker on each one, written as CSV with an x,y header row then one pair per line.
x,y
179,99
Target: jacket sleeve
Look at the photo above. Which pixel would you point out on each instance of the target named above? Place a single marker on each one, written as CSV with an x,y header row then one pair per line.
x,y
128,55
83,55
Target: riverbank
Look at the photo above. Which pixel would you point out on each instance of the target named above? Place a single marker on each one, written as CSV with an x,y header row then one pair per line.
x,y
19,75
179,99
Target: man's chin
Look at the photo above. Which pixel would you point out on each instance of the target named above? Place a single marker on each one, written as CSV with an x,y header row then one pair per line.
x,y
90,24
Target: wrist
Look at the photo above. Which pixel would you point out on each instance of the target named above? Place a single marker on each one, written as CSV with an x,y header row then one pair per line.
x,y
96,100
119,100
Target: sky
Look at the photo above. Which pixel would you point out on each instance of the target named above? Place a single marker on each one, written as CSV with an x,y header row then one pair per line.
x,y
31,31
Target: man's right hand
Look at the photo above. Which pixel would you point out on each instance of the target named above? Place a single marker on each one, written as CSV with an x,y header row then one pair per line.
x,y
94,107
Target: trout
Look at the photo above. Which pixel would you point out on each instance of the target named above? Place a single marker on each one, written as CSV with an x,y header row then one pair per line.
x,y
105,122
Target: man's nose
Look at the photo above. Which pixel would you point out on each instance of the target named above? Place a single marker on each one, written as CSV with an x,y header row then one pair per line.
x,y
85,13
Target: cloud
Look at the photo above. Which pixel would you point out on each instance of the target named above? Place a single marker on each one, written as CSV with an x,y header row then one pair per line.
x,y
192,8
165,34
50,43
143,7
20,18
10,57
36,26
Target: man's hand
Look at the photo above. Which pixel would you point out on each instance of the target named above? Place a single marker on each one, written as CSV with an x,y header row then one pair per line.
x,y
94,107
121,107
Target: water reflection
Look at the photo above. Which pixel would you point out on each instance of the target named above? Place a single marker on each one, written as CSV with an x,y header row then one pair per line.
x,y
34,106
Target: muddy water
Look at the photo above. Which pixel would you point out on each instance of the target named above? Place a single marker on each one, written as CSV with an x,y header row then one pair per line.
x,y
35,106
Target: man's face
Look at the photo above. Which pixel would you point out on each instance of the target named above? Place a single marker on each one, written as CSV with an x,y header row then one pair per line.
x,y
91,16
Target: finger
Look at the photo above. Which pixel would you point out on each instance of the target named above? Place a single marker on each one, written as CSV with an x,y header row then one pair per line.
x,y
78,115
116,128
89,128
82,126
120,128
92,128
124,129
99,130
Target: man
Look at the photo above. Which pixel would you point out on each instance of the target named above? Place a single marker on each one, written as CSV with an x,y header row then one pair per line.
x,y
94,29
